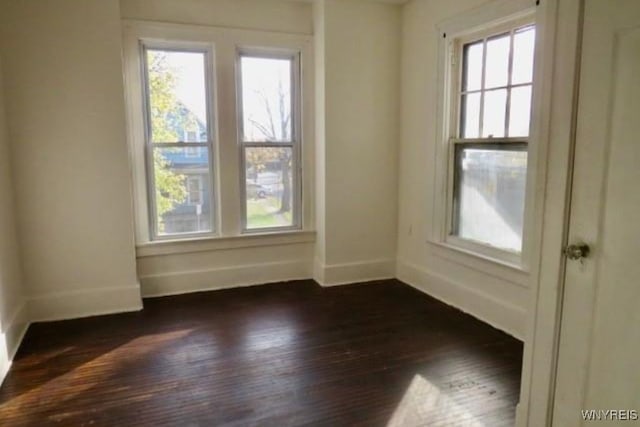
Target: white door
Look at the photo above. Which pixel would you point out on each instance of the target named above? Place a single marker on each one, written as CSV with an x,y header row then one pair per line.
x,y
599,349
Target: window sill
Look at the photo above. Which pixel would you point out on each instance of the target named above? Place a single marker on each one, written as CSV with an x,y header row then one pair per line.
x,y
505,270
208,244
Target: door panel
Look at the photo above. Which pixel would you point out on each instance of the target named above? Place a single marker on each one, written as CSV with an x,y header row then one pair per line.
x,y
599,351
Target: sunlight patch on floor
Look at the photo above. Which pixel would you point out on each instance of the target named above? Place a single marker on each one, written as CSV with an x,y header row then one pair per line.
x,y
423,403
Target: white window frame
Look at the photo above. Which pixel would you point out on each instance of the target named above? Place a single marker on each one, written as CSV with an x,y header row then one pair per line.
x,y
294,143
494,19
226,189
178,46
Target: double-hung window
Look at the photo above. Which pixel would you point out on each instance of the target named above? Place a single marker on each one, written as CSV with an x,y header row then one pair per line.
x,y
179,141
490,110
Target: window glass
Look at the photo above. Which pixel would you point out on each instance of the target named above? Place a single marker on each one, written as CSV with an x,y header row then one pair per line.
x,y
266,99
523,50
269,187
497,64
489,194
177,96
182,203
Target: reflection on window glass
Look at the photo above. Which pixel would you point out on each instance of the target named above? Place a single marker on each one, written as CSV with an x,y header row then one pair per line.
x,y
182,202
269,187
489,195
177,96
266,99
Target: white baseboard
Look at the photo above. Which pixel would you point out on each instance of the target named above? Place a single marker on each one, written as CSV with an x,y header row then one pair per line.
x,y
354,272
11,338
499,314
84,303
223,278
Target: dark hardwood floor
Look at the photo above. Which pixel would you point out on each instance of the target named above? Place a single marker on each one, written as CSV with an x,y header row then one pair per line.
x,y
376,354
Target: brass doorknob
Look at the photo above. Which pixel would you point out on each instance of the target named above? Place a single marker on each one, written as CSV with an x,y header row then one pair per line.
x,y
577,251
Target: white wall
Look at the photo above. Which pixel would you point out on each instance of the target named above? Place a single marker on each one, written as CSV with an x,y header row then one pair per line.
x,y
273,15
13,316
65,108
494,293
358,139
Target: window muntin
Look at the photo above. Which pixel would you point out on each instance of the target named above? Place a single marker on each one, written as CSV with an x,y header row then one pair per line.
x,y
178,145
269,140
489,156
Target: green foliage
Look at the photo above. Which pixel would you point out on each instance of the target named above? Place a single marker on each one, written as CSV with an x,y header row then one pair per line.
x,y
170,186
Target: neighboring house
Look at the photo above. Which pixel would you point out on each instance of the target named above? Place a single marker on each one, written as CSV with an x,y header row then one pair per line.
x,y
191,162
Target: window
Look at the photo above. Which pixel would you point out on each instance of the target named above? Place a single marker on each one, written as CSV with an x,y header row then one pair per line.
x,y
269,138
491,111
178,141
219,142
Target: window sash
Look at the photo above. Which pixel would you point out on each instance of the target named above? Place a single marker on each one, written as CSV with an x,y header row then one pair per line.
x,y
294,144
151,146
459,90
474,246
294,58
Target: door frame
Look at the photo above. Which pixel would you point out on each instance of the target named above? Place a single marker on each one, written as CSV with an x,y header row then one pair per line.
x,y
555,127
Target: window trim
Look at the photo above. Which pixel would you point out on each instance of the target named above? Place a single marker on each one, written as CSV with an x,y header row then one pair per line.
x,y
501,17
296,135
209,80
225,41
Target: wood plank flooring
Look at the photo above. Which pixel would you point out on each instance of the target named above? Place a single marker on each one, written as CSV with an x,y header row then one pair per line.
x,y
288,354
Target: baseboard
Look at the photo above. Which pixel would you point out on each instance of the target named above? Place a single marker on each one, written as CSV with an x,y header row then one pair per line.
x,y
354,272
224,278
11,338
84,303
499,314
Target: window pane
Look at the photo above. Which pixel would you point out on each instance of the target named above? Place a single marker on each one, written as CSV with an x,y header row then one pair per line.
x,y
471,115
266,99
523,49
177,96
472,75
490,193
269,187
181,191
497,66
495,107
520,114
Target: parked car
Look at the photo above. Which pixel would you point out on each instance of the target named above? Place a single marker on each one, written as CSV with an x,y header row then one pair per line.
x,y
257,191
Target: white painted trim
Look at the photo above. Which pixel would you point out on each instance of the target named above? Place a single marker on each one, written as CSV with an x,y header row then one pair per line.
x,y
318,270
223,243
11,338
84,303
555,115
499,314
183,282
354,272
